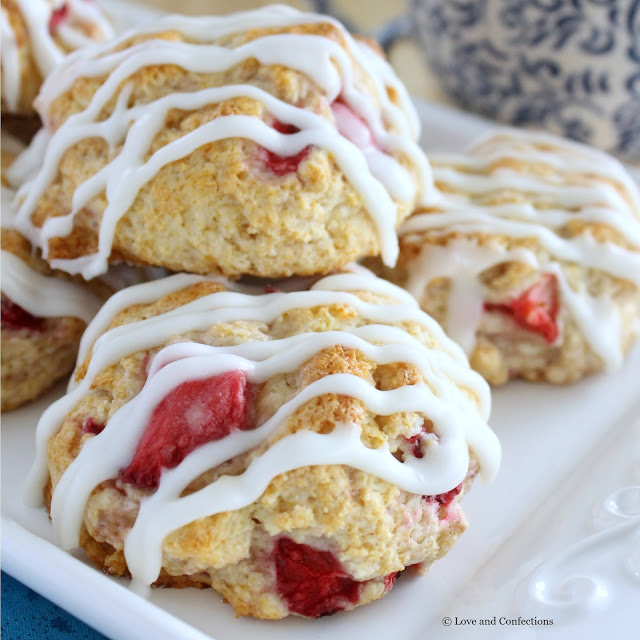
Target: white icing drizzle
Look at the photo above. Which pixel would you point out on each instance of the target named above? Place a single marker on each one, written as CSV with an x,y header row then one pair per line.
x,y
47,53
6,207
44,296
578,186
28,162
356,139
574,158
459,422
596,317
10,63
11,144
81,14
461,261
209,28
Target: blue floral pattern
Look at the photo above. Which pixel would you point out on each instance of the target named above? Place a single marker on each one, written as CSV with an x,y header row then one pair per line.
x,y
571,66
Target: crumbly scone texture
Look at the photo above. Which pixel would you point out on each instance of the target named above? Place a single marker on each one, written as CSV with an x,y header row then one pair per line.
x,y
32,361
503,349
220,209
371,527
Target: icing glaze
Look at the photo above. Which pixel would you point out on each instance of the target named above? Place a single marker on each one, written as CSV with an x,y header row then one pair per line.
x,y
459,416
6,206
10,63
44,296
562,182
46,41
358,137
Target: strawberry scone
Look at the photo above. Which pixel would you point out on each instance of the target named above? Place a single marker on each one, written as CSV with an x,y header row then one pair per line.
x,y
35,37
295,451
531,258
268,143
43,312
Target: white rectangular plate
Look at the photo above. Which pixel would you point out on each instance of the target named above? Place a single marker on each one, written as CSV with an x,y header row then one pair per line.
x,y
566,451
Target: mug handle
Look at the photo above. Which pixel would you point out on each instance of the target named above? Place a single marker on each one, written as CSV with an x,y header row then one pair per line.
x,y
399,28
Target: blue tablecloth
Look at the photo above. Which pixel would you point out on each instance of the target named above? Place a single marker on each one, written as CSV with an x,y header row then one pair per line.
x,y
28,616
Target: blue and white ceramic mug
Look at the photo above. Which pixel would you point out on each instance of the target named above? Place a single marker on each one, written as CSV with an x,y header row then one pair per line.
x,y
569,66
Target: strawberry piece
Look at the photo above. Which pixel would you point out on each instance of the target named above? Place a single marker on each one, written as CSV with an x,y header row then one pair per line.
x,y
15,317
58,16
282,165
283,127
269,288
416,445
350,125
535,309
312,582
194,413
390,580
91,425
444,499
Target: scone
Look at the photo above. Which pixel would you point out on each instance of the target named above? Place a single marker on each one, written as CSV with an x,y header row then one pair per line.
x,y
36,35
43,312
268,143
531,258
294,451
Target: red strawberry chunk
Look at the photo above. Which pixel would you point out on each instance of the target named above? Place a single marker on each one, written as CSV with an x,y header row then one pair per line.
x,y
269,288
444,499
416,445
91,425
194,413
535,309
312,582
282,165
283,127
389,580
58,16
15,317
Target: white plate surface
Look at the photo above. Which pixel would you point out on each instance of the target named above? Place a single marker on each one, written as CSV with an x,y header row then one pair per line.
x,y
556,537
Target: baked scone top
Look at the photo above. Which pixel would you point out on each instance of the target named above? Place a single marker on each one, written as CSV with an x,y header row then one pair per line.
x,y
351,104
36,35
530,198
282,332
